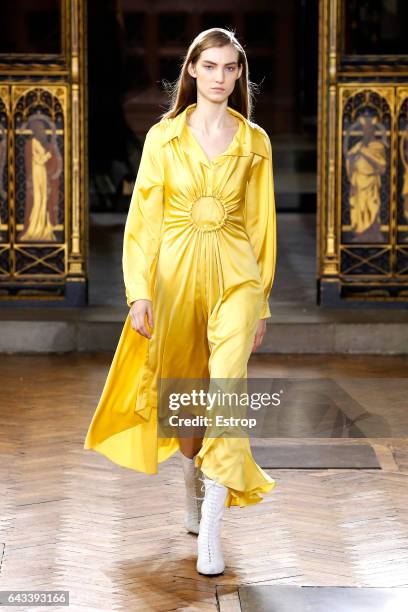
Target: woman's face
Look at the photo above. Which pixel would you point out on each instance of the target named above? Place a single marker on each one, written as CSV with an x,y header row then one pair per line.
x,y
216,72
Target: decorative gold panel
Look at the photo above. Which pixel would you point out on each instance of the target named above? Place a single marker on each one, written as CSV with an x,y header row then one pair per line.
x,y
365,180
39,119
4,182
363,171
402,163
43,183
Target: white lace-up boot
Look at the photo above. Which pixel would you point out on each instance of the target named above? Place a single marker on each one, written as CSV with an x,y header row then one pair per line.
x,y
210,560
194,496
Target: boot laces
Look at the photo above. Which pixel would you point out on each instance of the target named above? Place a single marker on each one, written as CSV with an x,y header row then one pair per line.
x,y
198,488
210,525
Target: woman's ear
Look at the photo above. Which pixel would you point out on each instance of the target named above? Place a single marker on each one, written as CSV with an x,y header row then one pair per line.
x,y
191,70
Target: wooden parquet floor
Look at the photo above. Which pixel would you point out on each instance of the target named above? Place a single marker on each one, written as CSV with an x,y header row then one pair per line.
x,y
72,520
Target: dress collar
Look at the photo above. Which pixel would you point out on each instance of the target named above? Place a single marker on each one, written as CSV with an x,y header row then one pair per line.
x,y
251,139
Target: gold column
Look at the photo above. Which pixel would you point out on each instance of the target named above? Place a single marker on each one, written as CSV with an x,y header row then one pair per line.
x,y
77,244
327,244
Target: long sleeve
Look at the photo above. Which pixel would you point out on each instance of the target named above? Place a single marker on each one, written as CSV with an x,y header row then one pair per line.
x,y
260,220
141,239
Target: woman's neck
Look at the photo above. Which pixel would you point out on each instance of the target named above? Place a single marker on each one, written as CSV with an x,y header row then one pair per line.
x,y
208,117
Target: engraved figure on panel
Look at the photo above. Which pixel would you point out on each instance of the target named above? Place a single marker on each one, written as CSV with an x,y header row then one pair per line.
x,y
42,169
3,161
366,162
404,161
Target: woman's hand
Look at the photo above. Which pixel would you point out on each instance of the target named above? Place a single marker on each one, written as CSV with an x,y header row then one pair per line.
x,y
260,332
138,312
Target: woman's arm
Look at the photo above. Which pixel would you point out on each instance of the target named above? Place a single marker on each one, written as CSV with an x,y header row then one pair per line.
x,y
144,221
260,219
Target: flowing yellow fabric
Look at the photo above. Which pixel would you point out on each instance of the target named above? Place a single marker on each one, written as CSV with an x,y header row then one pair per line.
x,y
200,242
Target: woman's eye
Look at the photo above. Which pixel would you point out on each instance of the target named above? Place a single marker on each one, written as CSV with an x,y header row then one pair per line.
x,y
229,68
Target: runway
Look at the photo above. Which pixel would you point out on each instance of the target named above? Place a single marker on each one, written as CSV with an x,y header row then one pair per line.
x,y
71,520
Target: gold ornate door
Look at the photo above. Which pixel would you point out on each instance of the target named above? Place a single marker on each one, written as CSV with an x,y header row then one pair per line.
x,y
363,154
43,180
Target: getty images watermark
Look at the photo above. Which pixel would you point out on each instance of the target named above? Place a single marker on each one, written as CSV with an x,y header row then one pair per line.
x,y
214,407
282,407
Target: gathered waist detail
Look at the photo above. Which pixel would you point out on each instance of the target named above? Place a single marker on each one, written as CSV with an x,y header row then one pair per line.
x,y
205,213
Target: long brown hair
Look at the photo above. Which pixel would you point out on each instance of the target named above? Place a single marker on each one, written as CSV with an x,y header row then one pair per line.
x,y
184,90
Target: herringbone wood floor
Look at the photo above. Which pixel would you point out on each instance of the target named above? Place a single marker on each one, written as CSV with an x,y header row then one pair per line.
x,y
70,519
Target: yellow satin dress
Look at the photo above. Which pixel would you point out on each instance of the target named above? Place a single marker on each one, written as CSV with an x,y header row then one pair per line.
x,y
200,242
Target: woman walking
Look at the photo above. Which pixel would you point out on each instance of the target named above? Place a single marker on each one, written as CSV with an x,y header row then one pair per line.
x,y
199,258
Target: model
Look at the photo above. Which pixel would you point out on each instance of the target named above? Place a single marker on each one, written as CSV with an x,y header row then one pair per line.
x,y
199,258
